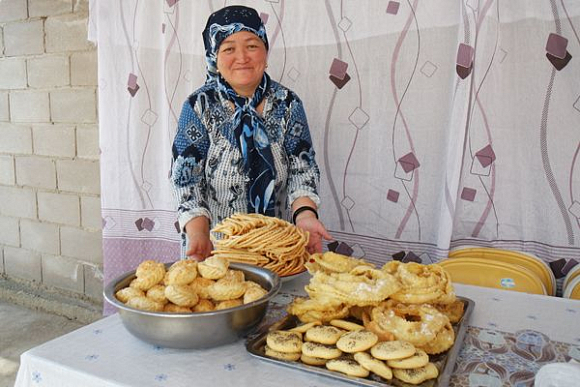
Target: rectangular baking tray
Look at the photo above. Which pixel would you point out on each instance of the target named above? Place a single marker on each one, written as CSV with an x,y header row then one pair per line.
x,y
445,362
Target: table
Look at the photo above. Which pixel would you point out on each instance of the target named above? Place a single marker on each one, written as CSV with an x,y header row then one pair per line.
x,y
510,336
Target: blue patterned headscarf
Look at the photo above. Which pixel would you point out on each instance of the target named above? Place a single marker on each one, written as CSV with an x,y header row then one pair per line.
x,y
225,22
249,128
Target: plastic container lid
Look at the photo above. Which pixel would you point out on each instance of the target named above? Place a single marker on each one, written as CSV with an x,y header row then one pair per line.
x,y
572,290
573,273
493,274
526,260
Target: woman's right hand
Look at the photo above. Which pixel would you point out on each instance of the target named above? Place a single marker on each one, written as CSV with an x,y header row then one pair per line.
x,y
199,246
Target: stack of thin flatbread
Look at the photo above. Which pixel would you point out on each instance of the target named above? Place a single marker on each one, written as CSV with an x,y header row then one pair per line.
x,y
263,241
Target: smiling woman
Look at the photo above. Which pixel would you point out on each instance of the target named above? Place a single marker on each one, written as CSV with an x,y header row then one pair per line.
x,y
243,144
241,61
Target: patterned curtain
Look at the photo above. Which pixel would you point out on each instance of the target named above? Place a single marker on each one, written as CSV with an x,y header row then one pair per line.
x,y
437,124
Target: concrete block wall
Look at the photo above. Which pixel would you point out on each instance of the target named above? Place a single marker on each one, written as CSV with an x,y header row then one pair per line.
x,y
50,221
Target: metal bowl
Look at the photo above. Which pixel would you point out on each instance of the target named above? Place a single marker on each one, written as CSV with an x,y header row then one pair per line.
x,y
196,330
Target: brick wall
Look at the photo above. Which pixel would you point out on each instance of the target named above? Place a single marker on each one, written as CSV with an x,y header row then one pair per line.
x,y
50,222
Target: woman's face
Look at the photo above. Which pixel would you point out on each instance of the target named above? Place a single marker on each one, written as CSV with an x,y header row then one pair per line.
x,y
241,60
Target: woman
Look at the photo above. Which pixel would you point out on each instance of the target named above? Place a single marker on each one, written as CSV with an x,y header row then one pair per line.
x,y
242,143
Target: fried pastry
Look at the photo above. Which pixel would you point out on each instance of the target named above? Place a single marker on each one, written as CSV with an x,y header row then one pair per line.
x,y
226,304
181,272
213,267
125,294
157,294
144,303
309,310
201,285
203,305
253,294
172,308
417,324
454,310
181,295
442,342
237,275
149,273
226,289
331,262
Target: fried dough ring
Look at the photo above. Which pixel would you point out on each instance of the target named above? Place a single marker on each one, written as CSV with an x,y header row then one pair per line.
x,y
417,324
331,262
454,310
442,342
362,286
421,283
311,310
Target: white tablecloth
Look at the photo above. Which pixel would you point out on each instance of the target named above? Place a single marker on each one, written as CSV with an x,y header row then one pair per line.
x,y
106,354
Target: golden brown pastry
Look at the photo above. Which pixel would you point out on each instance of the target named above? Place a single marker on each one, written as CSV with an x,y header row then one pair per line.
x,y
181,295
125,294
204,305
237,275
144,303
228,304
172,308
213,267
226,289
181,272
157,294
253,294
149,273
201,285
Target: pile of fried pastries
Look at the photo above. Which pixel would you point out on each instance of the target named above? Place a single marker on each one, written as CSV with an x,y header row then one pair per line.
x,y
400,305
263,241
188,287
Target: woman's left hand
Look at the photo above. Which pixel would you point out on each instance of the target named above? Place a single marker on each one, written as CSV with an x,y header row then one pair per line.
x,y
317,232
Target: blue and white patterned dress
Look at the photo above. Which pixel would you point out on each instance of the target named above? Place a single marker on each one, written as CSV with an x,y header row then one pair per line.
x,y
208,174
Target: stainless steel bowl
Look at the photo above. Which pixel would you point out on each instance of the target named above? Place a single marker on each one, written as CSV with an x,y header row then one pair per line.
x,y
196,330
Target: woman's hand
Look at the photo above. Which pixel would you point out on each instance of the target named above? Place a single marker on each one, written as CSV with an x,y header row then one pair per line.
x,y
199,246
316,230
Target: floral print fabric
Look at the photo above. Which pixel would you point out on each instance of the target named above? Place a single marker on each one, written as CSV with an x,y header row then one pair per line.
x,y
208,174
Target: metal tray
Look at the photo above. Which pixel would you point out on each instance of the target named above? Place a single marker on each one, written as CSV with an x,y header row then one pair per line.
x,y
445,362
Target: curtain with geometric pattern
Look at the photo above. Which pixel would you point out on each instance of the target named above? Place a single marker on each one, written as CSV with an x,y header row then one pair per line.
x,y
437,124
